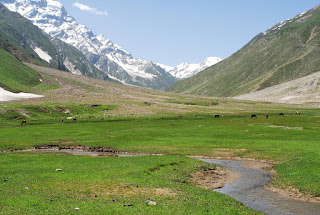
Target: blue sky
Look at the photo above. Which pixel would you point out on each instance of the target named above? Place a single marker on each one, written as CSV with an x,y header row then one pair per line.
x,y
175,31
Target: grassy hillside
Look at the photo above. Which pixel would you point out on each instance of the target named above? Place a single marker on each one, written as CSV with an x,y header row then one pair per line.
x,y
282,54
23,36
14,75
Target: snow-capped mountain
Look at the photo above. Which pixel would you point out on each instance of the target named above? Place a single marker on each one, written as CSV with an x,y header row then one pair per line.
x,y
51,17
187,70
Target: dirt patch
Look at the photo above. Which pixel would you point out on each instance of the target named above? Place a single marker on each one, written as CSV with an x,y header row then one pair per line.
x,y
76,147
285,127
227,153
214,178
257,165
293,193
23,112
114,189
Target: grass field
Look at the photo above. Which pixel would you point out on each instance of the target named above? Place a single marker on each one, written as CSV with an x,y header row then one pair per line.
x,y
291,140
99,185
144,121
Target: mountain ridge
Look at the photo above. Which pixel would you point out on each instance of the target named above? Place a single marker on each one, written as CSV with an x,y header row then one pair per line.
x,y
287,51
112,59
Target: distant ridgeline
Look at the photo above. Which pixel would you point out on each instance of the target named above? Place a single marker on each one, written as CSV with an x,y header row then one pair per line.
x,y
287,51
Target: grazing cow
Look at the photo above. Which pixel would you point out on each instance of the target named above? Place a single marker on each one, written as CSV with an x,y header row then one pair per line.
x,y
281,114
23,122
253,116
91,117
62,119
217,116
180,116
298,113
74,119
267,116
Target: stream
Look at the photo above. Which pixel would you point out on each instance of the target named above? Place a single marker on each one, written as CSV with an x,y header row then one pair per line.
x,y
249,189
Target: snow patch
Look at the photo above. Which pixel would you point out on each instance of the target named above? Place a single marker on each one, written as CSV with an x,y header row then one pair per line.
x,y
43,55
8,96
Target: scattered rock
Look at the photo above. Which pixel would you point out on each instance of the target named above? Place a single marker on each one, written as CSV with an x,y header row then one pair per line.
x,y
149,202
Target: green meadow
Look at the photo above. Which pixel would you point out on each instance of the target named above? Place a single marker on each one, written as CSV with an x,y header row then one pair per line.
x,y
29,183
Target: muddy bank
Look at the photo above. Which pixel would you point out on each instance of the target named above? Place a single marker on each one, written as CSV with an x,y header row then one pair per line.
x,y
85,150
249,188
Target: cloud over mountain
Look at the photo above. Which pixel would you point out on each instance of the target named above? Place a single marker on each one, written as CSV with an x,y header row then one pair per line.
x,y
89,9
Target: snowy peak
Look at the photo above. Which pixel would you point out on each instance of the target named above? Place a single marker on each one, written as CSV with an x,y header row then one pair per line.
x,y
110,58
50,16
187,70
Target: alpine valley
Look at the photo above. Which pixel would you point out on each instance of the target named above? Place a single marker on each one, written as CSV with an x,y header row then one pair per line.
x,y
281,56
106,56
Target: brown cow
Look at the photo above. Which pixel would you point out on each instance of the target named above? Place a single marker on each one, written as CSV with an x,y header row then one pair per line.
x,y
23,122
62,119
180,116
74,119
298,113
267,116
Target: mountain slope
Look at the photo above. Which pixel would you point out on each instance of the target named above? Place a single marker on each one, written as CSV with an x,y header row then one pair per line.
x,y
50,16
14,75
287,51
298,91
30,44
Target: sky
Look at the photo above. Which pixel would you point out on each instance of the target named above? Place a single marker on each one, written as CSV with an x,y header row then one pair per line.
x,y
174,31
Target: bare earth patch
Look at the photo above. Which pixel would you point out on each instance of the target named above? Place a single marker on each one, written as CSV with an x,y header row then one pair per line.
x,y
257,164
285,127
120,189
292,193
214,178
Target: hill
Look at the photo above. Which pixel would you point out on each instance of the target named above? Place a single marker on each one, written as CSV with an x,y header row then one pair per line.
x,y
287,51
14,75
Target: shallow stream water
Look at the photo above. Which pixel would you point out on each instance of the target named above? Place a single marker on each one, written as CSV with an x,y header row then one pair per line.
x,y
249,189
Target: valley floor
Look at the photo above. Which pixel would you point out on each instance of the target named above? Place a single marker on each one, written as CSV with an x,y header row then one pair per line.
x,y
144,121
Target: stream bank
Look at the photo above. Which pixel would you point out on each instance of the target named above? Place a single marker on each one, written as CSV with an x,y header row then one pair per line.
x,y
249,189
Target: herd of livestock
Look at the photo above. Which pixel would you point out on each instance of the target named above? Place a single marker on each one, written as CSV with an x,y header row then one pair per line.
x,y
74,119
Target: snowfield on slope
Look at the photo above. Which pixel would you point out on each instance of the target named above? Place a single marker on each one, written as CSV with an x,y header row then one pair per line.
x,y
9,96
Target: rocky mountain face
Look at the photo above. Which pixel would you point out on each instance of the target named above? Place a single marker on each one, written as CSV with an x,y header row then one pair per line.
x,y
108,57
30,44
51,17
287,51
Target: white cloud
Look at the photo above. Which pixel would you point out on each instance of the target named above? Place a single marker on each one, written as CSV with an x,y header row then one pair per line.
x,y
90,9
